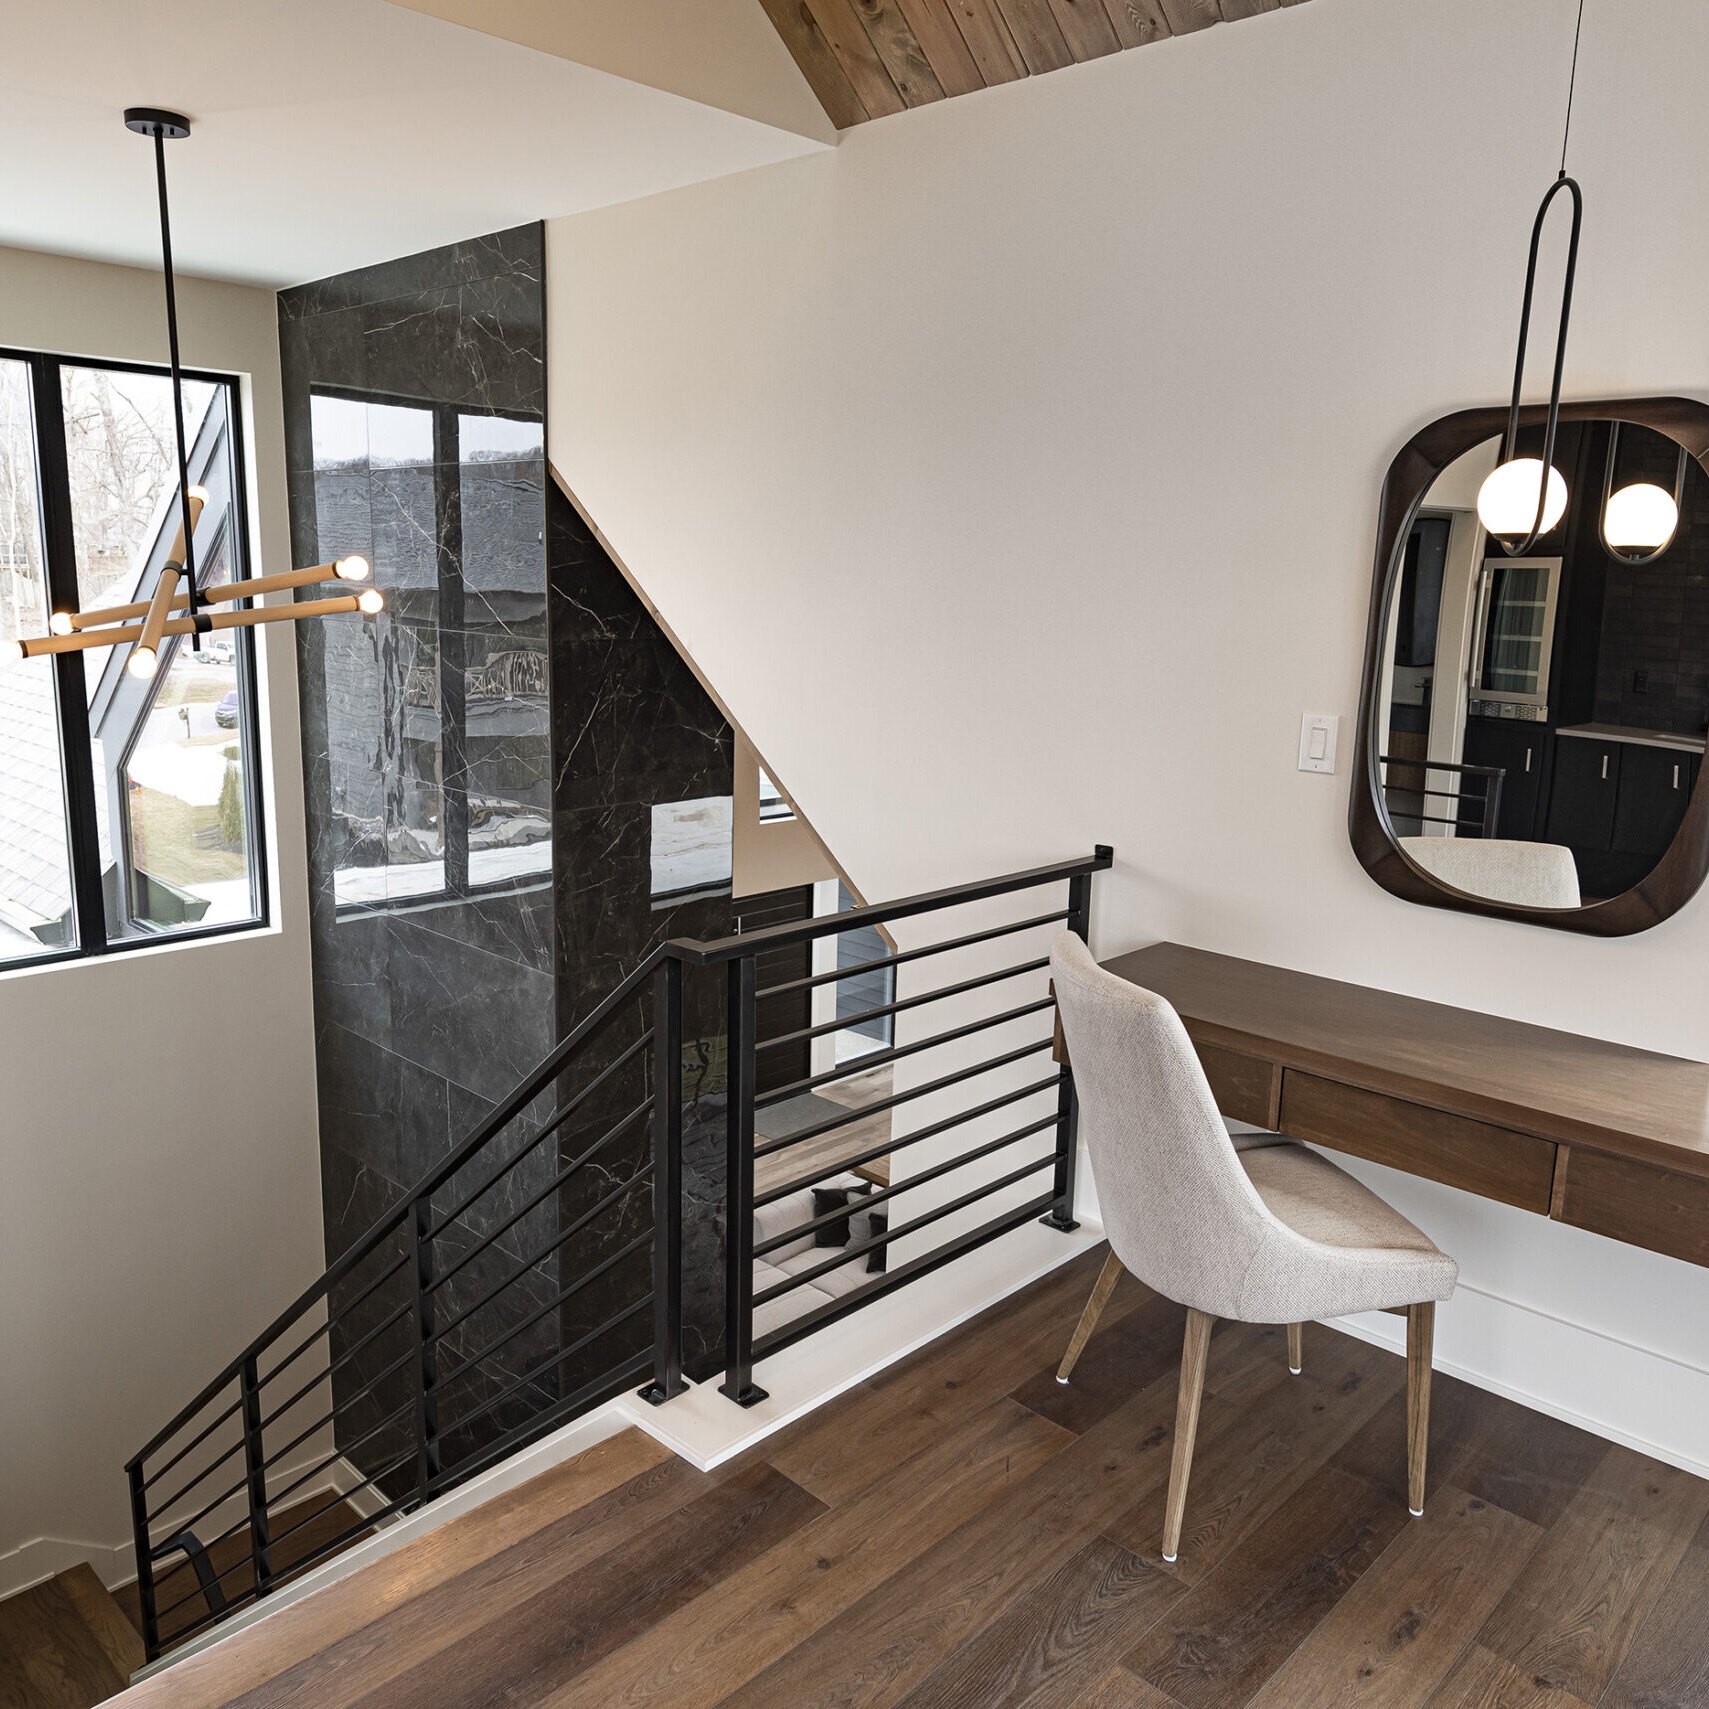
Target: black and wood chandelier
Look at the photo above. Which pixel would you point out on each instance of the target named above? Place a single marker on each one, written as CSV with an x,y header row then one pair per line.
x,y
178,606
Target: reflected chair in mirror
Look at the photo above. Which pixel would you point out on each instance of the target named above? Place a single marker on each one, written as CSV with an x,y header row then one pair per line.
x,y
1265,1232
1528,875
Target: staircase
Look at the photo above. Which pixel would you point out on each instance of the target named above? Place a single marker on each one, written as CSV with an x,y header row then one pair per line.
x,y
601,1229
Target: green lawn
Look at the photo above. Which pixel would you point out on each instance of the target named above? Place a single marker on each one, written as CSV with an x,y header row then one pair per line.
x,y
162,837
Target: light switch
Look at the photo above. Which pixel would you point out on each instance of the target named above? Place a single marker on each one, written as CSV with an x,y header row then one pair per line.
x,y
1318,731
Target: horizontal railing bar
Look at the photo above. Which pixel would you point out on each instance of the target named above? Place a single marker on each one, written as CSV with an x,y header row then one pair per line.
x,y
857,1207
879,1058
343,1358
329,1418
195,1519
545,1192
500,1118
841,1165
877,1107
644,1173
539,1312
792,932
364,1523
184,1489
799,1328
643,1304
800,1278
194,1443
901,956
884,1009
314,1472
333,1317
550,1126
589,1395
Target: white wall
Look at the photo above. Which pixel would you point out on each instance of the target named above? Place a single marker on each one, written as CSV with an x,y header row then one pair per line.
x,y
1056,417
157,1208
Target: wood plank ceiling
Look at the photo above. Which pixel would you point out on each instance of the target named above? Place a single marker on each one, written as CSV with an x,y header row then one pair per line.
x,y
867,58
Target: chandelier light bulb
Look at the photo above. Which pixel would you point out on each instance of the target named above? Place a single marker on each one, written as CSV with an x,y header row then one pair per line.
x,y
199,494
1507,501
352,569
142,662
370,601
60,623
1642,516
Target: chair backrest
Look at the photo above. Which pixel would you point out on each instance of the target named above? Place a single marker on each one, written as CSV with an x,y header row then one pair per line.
x,y
1530,875
1177,1206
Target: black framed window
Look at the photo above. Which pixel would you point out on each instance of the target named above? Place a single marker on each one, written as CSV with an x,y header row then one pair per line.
x,y
129,809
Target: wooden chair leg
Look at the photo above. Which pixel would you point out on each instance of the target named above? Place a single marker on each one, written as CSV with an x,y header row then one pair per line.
x,y
1193,1352
1101,1291
1420,1336
1296,1340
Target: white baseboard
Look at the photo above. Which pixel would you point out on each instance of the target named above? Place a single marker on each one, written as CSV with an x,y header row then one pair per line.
x,y
1644,1399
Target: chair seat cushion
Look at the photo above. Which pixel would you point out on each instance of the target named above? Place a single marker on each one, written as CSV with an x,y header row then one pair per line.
x,y
1380,1259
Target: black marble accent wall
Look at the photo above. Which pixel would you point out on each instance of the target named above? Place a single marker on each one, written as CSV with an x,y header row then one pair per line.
x,y
516,788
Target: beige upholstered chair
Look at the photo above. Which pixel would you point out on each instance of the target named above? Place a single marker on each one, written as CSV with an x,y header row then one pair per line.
x,y
1532,875
1250,1226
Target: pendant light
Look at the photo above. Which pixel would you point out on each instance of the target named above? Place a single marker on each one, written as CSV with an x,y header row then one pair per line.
x,y
1642,515
178,606
1524,497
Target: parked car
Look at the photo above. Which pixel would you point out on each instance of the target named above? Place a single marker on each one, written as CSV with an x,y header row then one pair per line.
x,y
225,714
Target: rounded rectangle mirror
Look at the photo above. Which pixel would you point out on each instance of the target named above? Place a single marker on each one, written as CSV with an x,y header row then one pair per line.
x,y
1532,727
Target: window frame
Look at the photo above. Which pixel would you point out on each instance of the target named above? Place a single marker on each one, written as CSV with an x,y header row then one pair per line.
x,y
71,695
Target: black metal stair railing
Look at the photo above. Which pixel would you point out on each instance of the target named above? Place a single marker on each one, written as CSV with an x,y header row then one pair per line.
x,y
538,1270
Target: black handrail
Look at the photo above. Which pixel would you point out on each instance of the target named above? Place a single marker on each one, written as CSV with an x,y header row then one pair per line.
x,y
394,1411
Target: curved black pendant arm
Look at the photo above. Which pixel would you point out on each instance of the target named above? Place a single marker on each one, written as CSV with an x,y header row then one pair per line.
x,y
1511,437
1608,492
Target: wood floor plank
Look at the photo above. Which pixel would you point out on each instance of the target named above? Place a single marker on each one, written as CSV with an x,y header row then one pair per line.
x,y
118,1638
282,1658
705,1652
53,1659
1251,1458
1119,1689
541,1642
1122,1358
1668,1662
1482,1681
1398,1632
889,1641
1491,1447
1571,1616
1058,1638
839,1450
1219,1644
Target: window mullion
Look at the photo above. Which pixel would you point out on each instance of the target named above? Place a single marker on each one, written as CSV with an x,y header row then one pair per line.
x,y
59,545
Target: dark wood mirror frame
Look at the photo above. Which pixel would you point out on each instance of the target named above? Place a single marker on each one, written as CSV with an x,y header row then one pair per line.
x,y
1676,878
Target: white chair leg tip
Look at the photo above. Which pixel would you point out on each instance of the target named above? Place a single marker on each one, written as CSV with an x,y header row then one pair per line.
x,y
1416,1512
1296,1369
1170,1558
1062,1380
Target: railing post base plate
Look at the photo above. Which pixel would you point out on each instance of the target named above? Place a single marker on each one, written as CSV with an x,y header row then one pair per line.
x,y
1062,1224
752,1395
656,1394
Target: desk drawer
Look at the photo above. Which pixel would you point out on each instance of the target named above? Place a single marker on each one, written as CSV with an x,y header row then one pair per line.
x,y
1240,1084
1637,1203
1494,1162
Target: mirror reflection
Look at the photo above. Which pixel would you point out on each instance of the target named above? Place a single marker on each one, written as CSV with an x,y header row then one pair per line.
x,y
1541,719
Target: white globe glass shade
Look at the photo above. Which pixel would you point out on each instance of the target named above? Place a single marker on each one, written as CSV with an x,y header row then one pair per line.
x,y
1641,515
1507,501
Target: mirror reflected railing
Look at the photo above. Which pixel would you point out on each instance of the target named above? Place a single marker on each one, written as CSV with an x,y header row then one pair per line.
x,y
1405,783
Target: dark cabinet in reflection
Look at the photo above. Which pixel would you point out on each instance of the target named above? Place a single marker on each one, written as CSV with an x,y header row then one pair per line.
x,y
1518,748
1655,785
1586,787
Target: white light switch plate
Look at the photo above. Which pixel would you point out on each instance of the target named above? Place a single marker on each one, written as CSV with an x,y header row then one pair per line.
x,y
1318,733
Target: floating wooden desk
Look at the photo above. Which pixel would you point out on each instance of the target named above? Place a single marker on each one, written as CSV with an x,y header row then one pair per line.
x,y
1598,1135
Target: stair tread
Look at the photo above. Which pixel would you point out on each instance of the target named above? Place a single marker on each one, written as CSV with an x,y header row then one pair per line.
x,y
119,1639
49,1657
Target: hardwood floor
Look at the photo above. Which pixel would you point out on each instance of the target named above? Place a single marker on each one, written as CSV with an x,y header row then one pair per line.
x,y
963,1532
817,1157
64,1644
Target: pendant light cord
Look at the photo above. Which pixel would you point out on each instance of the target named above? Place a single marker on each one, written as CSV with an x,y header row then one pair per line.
x,y
1572,82
178,379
